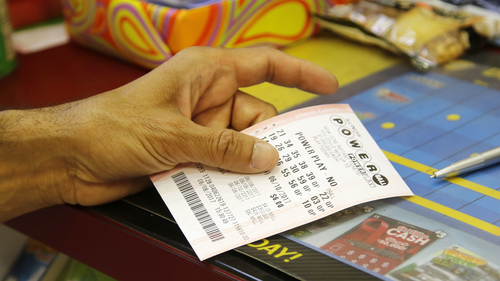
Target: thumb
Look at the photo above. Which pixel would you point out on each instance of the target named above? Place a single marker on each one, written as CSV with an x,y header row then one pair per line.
x,y
230,150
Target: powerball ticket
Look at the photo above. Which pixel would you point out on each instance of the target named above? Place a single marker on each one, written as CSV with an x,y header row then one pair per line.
x,y
328,162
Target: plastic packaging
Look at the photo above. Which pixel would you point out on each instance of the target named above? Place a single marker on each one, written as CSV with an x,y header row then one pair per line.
x,y
429,34
182,4
33,262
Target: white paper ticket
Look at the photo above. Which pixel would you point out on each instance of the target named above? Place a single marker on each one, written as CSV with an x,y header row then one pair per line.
x,y
328,162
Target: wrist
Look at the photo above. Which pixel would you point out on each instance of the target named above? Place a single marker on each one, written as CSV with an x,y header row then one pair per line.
x,y
34,160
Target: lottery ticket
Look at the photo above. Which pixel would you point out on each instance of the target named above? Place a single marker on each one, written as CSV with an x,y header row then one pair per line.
x,y
328,162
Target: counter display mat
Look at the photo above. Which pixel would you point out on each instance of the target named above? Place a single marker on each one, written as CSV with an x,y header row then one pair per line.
x,y
450,229
422,123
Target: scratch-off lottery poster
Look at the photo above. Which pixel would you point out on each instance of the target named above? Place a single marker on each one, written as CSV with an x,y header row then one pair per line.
x,y
380,243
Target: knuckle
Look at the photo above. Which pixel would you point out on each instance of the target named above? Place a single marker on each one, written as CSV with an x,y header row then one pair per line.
x,y
271,108
200,51
265,49
225,144
190,50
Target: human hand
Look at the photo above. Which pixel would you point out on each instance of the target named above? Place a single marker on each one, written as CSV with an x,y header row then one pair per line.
x,y
102,148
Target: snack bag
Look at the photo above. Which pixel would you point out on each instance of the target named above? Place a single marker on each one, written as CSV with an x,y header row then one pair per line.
x,y
429,34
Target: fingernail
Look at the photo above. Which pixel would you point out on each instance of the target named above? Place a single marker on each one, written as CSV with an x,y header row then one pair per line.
x,y
263,155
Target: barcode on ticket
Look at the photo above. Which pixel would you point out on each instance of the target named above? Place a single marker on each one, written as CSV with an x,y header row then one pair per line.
x,y
199,210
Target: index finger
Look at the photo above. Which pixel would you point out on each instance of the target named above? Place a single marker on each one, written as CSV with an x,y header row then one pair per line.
x,y
257,65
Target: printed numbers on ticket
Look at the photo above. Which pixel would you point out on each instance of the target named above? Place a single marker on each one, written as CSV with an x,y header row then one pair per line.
x,y
328,162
